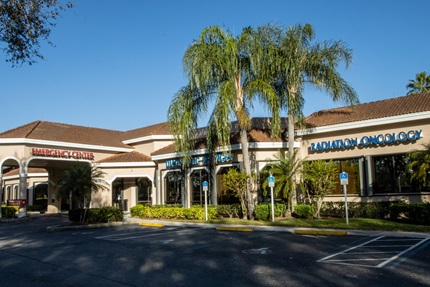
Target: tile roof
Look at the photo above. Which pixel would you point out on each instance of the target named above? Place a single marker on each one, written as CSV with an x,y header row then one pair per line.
x,y
126,157
49,131
30,170
259,134
157,129
380,109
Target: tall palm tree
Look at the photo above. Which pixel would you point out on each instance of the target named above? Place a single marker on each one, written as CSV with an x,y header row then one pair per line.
x,y
294,61
421,84
223,68
420,165
80,181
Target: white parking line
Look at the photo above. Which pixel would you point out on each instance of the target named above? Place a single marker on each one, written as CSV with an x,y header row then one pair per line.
x,y
360,258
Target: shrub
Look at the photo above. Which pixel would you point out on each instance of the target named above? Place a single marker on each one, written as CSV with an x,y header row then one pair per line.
x,y
172,212
417,213
8,211
229,210
263,211
96,215
376,210
303,211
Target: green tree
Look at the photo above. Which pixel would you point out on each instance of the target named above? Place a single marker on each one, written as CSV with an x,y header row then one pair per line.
x,y
80,181
318,180
24,23
421,84
284,170
224,69
419,165
236,181
295,60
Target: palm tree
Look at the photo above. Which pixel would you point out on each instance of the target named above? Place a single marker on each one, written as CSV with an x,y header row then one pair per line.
x,y
80,181
294,61
419,165
223,68
284,170
421,84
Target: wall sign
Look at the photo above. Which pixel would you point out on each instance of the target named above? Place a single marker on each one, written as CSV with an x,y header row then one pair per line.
x,y
372,140
62,153
200,160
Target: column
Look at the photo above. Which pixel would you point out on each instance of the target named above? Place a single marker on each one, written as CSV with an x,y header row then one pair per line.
x,y
370,175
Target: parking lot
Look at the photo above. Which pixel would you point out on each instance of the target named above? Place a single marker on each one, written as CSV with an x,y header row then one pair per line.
x,y
133,255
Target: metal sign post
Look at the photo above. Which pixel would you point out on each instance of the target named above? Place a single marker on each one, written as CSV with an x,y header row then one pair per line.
x,y
271,181
344,182
205,185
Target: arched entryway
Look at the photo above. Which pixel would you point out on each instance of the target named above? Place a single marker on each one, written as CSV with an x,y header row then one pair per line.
x,y
130,191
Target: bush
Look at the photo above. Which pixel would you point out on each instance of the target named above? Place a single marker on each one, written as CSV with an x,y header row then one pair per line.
x,y
263,211
8,211
303,211
417,213
229,210
376,210
172,212
96,215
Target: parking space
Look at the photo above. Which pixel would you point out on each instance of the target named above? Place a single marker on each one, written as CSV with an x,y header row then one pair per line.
x,y
377,252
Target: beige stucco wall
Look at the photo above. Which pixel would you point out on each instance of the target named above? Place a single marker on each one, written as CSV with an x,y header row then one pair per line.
x,y
370,150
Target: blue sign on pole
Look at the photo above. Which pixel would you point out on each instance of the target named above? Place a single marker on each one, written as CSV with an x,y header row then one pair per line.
x,y
343,178
271,180
205,183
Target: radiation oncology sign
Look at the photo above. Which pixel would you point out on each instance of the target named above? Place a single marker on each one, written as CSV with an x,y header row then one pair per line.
x,y
367,141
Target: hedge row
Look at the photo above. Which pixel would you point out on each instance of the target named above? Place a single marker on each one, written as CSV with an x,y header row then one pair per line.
x,y
8,211
418,213
169,212
376,210
96,215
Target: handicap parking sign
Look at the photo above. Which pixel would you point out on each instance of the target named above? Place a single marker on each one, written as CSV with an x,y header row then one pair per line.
x,y
343,178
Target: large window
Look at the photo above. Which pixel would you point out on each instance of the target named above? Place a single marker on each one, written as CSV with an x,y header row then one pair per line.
x,y
174,182
352,167
144,188
391,175
225,196
197,178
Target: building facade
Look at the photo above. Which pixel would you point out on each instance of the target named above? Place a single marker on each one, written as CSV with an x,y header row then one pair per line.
x,y
142,166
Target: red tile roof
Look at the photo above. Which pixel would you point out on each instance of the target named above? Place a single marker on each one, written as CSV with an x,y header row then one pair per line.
x,y
49,131
127,157
30,170
373,110
157,129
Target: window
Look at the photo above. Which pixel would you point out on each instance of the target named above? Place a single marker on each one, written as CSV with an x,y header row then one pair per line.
x,y
174,181
391,175
197,178
352,168
144,190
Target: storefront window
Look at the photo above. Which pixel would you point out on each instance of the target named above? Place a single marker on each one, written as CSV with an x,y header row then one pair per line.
x,y
391,175
174,186
225,196
197,178
41,194
352,167
144,188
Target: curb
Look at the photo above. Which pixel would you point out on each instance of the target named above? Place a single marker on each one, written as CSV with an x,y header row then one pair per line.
x,y
320,232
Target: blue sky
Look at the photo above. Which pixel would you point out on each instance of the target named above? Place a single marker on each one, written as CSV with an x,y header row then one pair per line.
x,y
116,64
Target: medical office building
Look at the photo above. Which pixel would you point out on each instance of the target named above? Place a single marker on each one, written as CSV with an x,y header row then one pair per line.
x,y
369,141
